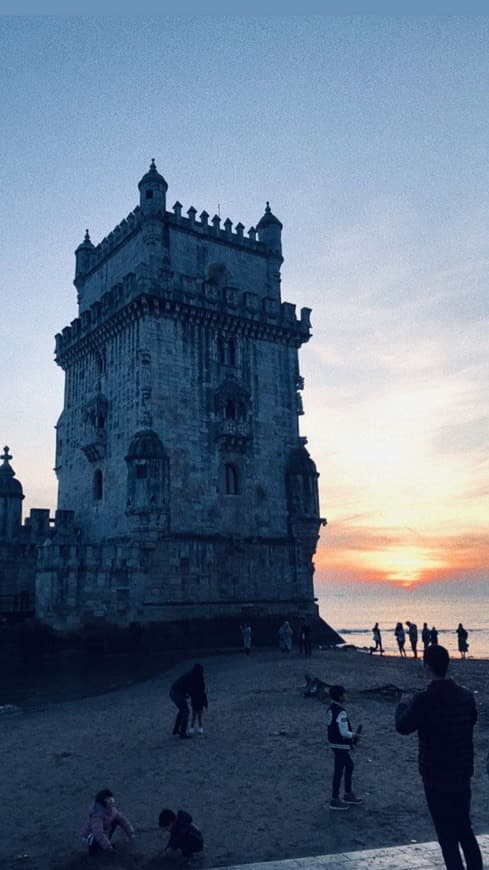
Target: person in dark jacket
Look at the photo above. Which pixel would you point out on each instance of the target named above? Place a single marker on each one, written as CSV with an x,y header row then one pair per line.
x,y
413,637
377,640
426,636
433,636
341,739
189,684
444,715
184,834
462,638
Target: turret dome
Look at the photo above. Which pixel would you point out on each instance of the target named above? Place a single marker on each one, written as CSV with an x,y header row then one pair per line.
x,y
300,462
152,176
8,485
152,193
269,231
268,219
145,445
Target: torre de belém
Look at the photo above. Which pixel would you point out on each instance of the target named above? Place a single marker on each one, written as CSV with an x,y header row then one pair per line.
x,y
185,489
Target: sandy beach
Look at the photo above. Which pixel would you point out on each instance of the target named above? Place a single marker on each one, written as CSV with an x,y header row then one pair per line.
x,y
258,781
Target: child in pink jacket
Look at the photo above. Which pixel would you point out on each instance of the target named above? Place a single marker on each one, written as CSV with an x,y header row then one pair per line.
x,y
103,819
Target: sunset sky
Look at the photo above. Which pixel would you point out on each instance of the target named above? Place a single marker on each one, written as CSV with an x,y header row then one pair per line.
x,y
370,138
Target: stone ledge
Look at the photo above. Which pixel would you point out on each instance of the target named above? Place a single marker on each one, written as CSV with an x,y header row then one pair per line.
x,y
419,856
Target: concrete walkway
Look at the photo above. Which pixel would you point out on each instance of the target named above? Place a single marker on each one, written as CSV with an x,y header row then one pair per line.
x,y
420,856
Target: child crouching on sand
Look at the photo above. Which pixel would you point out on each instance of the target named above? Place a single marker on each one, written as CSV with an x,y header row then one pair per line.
x,y
184,834
103,819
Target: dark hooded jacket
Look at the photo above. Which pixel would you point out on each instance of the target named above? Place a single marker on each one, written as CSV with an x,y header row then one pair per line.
x,y
185,835
190,683
444,716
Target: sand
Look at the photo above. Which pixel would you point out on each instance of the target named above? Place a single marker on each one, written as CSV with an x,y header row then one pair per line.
x,y
258,781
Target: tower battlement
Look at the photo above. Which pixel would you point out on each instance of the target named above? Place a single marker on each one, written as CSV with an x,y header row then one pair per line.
x,y
153,238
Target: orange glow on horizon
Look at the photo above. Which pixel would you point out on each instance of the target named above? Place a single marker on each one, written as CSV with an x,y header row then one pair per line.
x,y
370,555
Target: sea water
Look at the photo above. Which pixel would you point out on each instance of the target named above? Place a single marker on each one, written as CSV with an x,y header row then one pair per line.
x,y
353,609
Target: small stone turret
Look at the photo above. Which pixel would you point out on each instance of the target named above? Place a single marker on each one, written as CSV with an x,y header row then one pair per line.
x,y
270,231
84,257
152,192
11,497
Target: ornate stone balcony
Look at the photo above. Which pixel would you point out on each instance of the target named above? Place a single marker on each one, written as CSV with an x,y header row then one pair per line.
x,y
233,434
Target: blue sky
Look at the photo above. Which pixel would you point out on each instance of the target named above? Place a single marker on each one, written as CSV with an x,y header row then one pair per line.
x,y
369,137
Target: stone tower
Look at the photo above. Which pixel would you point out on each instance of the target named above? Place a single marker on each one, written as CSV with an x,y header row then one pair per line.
x,y
178,448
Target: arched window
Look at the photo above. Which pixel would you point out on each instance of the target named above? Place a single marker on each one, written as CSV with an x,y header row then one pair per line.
x,y
98,485
231,352
231,479
230,410
149,194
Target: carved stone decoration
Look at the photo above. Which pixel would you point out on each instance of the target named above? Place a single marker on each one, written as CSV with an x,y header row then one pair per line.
x,y
148,480
232,405
94,419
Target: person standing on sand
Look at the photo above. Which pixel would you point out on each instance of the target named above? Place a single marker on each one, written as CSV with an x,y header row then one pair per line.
x,y
341,740
198,702
306,636
285,635
462,635
444,715
182,689
426,636
413,637
433,636
401,639
377,637
246,636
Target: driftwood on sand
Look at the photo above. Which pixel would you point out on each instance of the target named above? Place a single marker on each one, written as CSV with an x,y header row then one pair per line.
x,y
316,688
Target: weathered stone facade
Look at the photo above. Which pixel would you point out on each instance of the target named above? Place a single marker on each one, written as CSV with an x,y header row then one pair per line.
x,y
185,489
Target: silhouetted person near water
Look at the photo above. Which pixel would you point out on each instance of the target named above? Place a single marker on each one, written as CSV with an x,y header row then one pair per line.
x,y
426,636
433,636
377,637
401,638
444,715
462,635
413,637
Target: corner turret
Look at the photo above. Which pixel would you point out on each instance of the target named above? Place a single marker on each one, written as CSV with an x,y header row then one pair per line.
x,y
152,192
83,255
270,231
11,497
